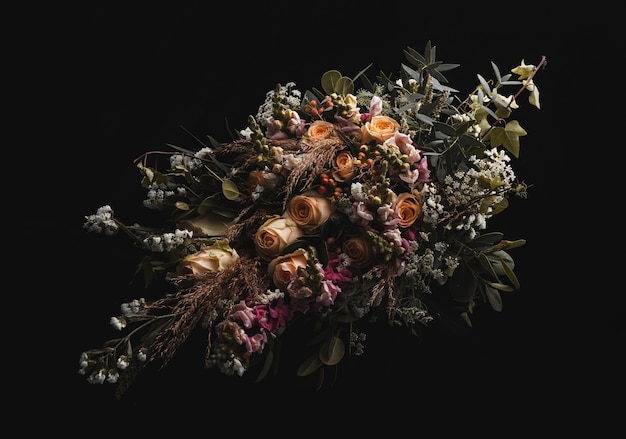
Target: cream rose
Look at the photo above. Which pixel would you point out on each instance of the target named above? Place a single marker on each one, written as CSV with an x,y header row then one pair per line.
x,y
320,129
211,258
344,167
274,235
379,128
409,207
283,268
359,248
309,210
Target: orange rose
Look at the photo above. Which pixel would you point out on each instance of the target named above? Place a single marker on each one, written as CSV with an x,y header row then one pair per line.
x,y
309,210
283,268
344,167
409,207
379,128
359,248
274,235
211,258
320,129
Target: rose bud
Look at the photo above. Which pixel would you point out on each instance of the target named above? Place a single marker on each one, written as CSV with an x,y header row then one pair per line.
x,y
409,207
360,250
379,128
309,210
211,258
274,235
283,268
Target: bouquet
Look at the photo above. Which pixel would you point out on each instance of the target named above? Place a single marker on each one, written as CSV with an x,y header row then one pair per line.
x,y
365,199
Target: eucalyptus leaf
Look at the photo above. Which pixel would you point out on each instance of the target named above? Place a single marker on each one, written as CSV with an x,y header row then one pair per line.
x,y
496,72
463,284
508,270
494,298
414,57
498,259
486,240
309,366
332,351
230,190
484,85
445,128
487,264
500,286
267,366
413,74
344,86
329,81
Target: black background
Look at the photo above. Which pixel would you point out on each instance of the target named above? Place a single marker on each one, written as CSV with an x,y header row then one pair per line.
x,y
129,77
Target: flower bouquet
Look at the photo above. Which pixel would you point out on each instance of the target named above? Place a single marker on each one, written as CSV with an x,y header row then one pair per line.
x,y
365,199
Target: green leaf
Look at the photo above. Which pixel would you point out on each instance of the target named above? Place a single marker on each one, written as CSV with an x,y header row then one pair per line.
x,y
508,137
230,190
496,72
494,298
500,286
329,80
145,267
512,276
463,284
487,264
332,351
309,366
344,86
484,85
446,129
486,240
498,259
267,365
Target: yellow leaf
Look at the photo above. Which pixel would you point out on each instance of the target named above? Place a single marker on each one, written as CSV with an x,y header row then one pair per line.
x,y
508,137
523,70
533,98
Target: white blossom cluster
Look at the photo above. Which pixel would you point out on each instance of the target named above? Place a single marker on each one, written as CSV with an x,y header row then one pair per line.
x,y
289,96
463,192
167,241
159,192
188,162
102,221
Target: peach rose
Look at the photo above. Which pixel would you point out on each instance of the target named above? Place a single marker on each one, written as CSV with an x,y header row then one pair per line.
x,y
344,167
211,258
359,248
409,207
274,235
379,128
320,129
309,210
283,268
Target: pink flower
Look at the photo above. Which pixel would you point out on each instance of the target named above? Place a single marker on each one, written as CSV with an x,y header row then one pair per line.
x,y
243,314
424,172
376,106
281,314
255,343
